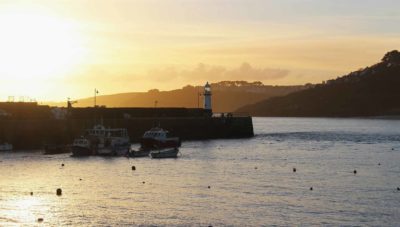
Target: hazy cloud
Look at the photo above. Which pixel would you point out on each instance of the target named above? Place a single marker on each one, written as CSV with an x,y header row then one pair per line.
x,y
203,72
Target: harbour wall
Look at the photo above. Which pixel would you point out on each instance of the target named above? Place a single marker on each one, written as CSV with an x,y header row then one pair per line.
x,y
31,126
34,133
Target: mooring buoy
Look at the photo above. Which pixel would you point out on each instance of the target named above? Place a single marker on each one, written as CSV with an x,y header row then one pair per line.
x,y
311,188
143,182
40,219
133,168
62,164
294,170
59,191
209,186
398,189
379,164
255,167
31,193
355,171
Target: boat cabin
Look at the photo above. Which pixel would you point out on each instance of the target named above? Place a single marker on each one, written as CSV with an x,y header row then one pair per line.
x,y
101,131
156,133
81,142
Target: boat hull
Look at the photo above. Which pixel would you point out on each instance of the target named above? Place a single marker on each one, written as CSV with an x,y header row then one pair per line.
x,y
165,153
81,151
139,153
6,147
114,151
150,143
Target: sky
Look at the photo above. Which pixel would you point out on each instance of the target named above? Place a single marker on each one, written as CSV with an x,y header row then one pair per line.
x,y
51,50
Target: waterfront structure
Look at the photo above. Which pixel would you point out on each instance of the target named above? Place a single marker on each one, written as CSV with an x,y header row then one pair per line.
x,y
207,97
30,125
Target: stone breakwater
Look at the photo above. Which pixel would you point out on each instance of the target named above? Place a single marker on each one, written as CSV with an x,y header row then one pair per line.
x,y
34,133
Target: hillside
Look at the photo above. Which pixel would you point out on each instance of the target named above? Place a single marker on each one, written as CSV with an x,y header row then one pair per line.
x,y
372,91
227,96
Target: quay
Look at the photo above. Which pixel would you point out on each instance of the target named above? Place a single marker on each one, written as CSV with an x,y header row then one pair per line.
x,y
28,125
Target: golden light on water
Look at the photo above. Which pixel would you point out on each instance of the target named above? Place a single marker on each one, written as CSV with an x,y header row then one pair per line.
x,y
25,209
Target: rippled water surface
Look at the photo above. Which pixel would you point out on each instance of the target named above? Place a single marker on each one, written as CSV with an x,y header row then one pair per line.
x,y
251,180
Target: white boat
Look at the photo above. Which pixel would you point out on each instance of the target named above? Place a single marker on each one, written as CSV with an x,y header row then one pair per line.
x,y
165,153
82,147
6,147
157,138
110,141
139,153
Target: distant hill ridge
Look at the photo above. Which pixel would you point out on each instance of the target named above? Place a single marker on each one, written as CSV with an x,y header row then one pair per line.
x,y
371,91
227,96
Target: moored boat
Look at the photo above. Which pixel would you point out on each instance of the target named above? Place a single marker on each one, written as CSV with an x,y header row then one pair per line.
x,y
139,153
157,138
102,141
6,147
82,147
165,153
113,142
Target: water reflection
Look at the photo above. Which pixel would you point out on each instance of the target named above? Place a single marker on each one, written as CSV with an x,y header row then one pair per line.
x,y
24,210
176,191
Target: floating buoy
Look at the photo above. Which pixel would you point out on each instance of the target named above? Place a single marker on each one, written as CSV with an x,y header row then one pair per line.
x,y
133,168
255,167
40,219
294,170
59,191
311,188
143,182
62,164
392,149
80,178
355,171
398,189
209,186
31,193
379,164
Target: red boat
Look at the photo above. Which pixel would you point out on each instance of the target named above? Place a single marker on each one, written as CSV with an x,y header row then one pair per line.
x,y
157,138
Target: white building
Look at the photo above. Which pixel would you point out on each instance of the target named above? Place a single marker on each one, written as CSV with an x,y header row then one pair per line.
x,y
207,97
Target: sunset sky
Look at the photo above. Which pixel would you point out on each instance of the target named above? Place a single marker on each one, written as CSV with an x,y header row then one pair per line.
x,y
51,50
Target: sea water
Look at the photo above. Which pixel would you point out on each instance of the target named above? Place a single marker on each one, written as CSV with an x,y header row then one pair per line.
x,y
242,182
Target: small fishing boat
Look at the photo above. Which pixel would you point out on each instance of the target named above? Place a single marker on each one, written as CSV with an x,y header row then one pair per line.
x,y
56,149
6,147
139,153
102,141
157,138
113,142
165,153
82,147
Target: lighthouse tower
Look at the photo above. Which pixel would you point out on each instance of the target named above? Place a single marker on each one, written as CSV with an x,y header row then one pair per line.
x,y
207,97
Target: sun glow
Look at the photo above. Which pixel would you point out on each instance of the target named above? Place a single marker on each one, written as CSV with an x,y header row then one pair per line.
x,y
36,46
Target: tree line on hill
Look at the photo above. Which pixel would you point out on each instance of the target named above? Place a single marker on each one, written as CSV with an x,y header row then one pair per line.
x,y
371,91
227,96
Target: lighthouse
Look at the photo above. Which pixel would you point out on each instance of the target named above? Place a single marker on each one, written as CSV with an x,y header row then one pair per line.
x,y
207,97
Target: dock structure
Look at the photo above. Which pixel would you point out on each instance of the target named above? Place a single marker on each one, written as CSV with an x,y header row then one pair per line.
x,y
29,125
